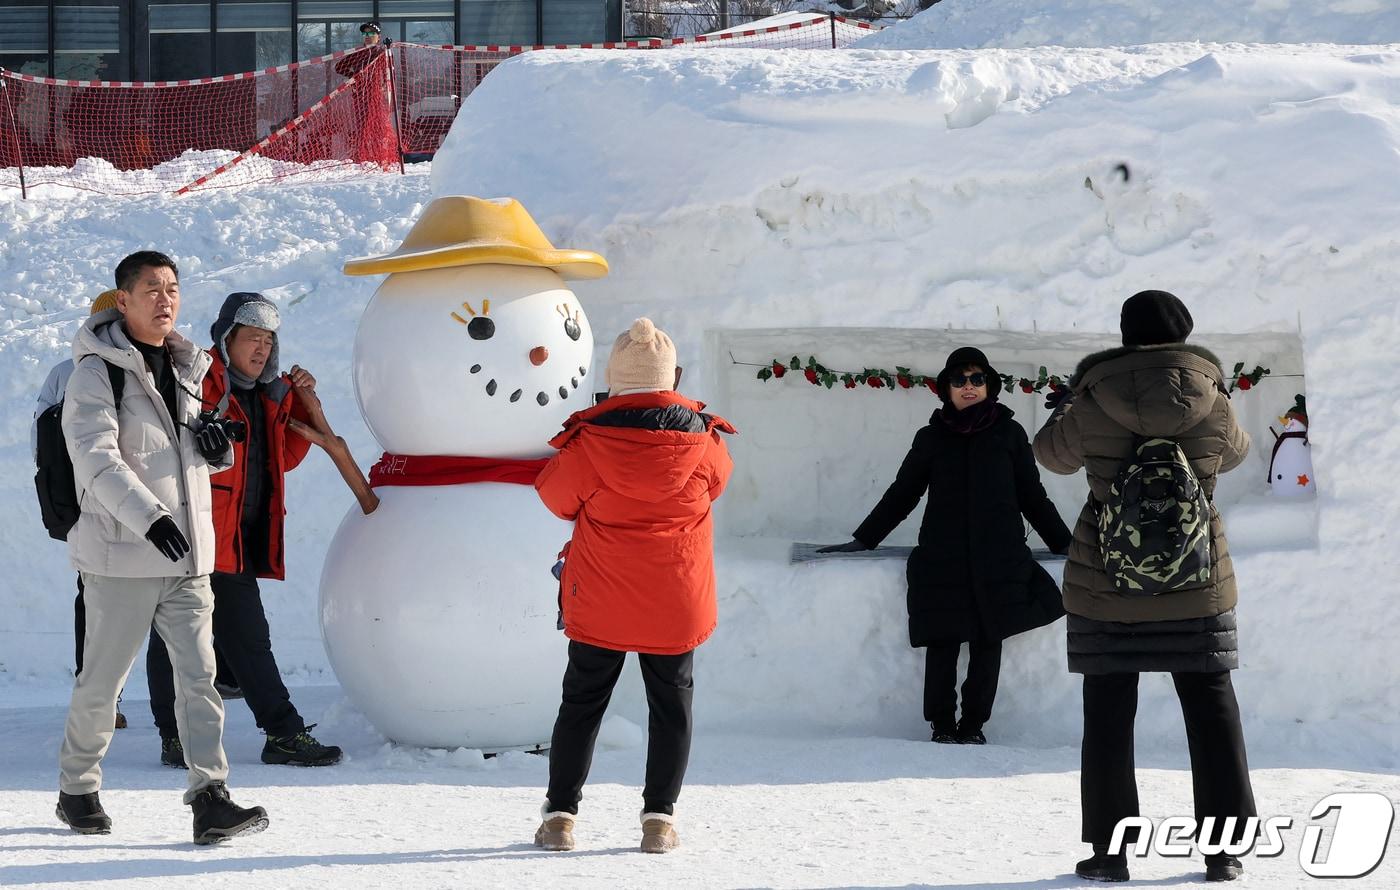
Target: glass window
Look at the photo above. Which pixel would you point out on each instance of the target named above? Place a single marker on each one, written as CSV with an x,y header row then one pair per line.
x,y
437,32
359,10
508,22
87,41
311,40
574,21
180,46
24,37
253,34
414,9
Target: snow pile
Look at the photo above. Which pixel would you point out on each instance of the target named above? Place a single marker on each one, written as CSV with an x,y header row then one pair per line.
x,y
977,195
868,208
100,176
1014,23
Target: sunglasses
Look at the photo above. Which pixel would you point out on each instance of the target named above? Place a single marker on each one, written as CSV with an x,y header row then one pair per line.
x,y
958,381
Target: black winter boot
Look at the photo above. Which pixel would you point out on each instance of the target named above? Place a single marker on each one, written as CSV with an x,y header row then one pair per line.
x,y
300,749
1223,867
1103,867
83,813
944,735
216,818
970,735
172,753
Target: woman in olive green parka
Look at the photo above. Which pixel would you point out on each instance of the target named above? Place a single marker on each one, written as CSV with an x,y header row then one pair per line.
x,y
1155,386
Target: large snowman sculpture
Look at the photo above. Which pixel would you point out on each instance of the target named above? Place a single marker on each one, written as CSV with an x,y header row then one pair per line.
x,y
438,609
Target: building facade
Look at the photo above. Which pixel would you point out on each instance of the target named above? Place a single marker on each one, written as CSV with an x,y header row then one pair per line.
x,y
180,39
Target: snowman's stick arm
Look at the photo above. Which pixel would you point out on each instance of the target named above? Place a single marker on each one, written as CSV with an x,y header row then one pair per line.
x,y
344,461
320,433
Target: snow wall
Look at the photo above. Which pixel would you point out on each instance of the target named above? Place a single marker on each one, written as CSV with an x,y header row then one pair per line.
x,y
867,208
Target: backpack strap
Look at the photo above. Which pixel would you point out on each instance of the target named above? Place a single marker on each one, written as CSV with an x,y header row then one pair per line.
x,y
117,377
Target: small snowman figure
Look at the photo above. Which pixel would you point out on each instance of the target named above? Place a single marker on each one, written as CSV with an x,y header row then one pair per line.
x,y
438,609
1290,467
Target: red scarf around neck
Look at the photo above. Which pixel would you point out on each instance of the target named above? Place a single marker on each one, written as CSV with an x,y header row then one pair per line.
x,y
414,469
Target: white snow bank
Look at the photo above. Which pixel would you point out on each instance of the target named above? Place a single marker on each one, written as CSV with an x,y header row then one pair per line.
x,y
1010,23
770,199
948,196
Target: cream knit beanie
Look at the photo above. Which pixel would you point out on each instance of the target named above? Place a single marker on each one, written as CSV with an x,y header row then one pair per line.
x,y
643,358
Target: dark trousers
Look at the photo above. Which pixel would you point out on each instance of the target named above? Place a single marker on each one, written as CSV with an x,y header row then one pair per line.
x,y
979,689
242,636
588,684
1219,769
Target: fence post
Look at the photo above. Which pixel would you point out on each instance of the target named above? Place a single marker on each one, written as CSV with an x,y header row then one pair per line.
x,y
14,128
832,14
390,56
723,14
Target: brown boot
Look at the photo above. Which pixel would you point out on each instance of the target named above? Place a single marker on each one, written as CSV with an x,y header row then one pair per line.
x,y
556,831
659,833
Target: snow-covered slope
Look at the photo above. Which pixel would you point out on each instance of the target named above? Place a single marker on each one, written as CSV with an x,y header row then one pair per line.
x,y
1009,23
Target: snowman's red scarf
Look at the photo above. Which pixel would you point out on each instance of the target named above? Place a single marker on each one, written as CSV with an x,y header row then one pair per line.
x,y
413,469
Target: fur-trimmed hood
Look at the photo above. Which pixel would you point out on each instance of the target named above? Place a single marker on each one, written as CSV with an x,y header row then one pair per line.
x,y
1159,390
1097,358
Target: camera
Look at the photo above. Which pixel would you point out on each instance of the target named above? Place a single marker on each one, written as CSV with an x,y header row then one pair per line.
x,y
236,430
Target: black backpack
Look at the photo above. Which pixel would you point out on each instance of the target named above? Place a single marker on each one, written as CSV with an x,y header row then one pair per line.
x,y
58,493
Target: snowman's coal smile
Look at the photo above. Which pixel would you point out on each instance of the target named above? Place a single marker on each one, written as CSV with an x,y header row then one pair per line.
x,y
541,398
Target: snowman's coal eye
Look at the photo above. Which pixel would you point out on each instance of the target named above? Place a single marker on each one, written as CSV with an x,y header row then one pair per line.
x,y
572,329
481,328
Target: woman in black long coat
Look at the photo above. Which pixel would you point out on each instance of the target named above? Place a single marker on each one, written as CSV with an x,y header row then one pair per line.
x,y
972,578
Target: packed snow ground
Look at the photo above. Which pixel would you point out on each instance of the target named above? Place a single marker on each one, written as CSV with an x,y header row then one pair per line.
x,y
757,811
827,198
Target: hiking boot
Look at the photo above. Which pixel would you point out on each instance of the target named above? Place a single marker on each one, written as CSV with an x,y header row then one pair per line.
x,y
1103,867
83,813
121,719
216,818
969,735
556,831
172,753
659,833
227,691
300,749
944,736
1223,867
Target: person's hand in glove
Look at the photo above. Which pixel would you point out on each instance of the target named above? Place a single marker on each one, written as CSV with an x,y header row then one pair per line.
x,y
165,534
212,441
1055,397
851,546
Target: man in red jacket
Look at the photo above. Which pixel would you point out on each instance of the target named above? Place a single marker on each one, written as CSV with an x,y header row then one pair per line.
x,y
245,387
638,475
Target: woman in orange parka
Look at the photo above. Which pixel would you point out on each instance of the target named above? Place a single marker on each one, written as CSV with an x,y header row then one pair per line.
x,y
637,474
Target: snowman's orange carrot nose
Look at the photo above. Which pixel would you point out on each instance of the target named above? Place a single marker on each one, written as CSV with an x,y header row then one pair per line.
x,y
539,355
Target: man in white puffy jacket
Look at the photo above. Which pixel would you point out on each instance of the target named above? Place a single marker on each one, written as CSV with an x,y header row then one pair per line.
x,y
144,541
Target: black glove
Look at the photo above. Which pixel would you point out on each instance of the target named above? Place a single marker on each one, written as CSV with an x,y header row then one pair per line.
x,y
851,546
1055,396
165,534
212,441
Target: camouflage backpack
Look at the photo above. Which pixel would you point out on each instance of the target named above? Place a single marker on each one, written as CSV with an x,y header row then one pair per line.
x,y
1154,528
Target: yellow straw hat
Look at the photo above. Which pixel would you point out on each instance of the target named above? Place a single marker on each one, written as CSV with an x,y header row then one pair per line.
x,y
463,231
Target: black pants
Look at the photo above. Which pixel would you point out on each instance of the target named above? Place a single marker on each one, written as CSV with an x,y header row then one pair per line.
x,y
242,637
979,690
1219,769
588,685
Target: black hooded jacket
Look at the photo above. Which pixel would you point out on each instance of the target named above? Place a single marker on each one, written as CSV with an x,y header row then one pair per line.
x,y
972,576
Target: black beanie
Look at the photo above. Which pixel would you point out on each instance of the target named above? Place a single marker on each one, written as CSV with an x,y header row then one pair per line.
x,y
1154,316
961,358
